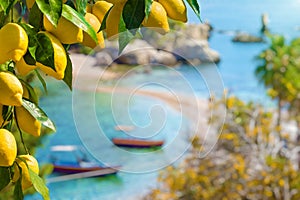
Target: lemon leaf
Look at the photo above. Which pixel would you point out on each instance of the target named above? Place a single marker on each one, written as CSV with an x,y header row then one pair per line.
x,y
41,79
4,177
68,73
35,17
51,8
148,4
103,24
81,6
44,51
133,14
78,20
39,185
125,36
195,6
38,114
6,5
18,194
32,44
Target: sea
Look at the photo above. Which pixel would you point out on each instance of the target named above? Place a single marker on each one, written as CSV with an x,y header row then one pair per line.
x,y
88,118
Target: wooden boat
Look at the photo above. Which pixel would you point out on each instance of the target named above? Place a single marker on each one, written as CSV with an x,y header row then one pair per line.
x,y
81,164
137,143
73,168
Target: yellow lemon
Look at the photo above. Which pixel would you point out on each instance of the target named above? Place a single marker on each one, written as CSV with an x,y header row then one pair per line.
x,y
100,8
11,90
8,148
23,68
60,59
87,40
13,42
27,122
176,9
66,31
112,21
157,19
32,164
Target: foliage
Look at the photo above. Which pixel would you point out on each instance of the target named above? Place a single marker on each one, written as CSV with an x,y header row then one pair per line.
x,y
280,71
250,161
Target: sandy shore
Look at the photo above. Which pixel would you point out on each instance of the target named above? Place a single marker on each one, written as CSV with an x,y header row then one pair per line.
x,y
87,76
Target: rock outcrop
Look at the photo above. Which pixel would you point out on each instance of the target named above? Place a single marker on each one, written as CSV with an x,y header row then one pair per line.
x,y
186,43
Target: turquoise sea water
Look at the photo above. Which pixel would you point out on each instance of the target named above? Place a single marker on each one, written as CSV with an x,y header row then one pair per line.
x,y
237,71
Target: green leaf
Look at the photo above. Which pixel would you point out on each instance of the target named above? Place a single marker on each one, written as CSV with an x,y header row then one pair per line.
x,y
6,5
77,19
103,24
81,6
195,6
133,14
32,44
52,9
125,36
44,84
32,95
4,177
18,193
148,4
44,52
68,73
38,114
29,60
35,17
39,185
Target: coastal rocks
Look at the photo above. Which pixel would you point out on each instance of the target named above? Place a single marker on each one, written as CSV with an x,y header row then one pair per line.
x,y
196,52
247,38
103,59
186,43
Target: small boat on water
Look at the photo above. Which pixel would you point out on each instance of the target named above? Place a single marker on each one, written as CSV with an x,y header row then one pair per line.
x,y
137,143
81,164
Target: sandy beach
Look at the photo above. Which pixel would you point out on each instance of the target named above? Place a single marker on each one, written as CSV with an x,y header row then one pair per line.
x,y
87,77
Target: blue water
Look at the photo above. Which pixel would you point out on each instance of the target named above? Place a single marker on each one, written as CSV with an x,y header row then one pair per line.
x,y
236,69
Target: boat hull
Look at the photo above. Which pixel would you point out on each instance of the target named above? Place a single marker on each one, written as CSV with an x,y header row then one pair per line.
x,y
135,143
75,170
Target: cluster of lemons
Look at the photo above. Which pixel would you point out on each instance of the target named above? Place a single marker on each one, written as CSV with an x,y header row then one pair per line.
x,y
157,20
14,45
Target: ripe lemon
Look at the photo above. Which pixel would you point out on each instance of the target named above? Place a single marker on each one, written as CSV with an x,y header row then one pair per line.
x,y
27,122
60,59
157,19
66,31
87,40
112,21
100,8
14,42
23,68
176,9
32,164
8,148
11,90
